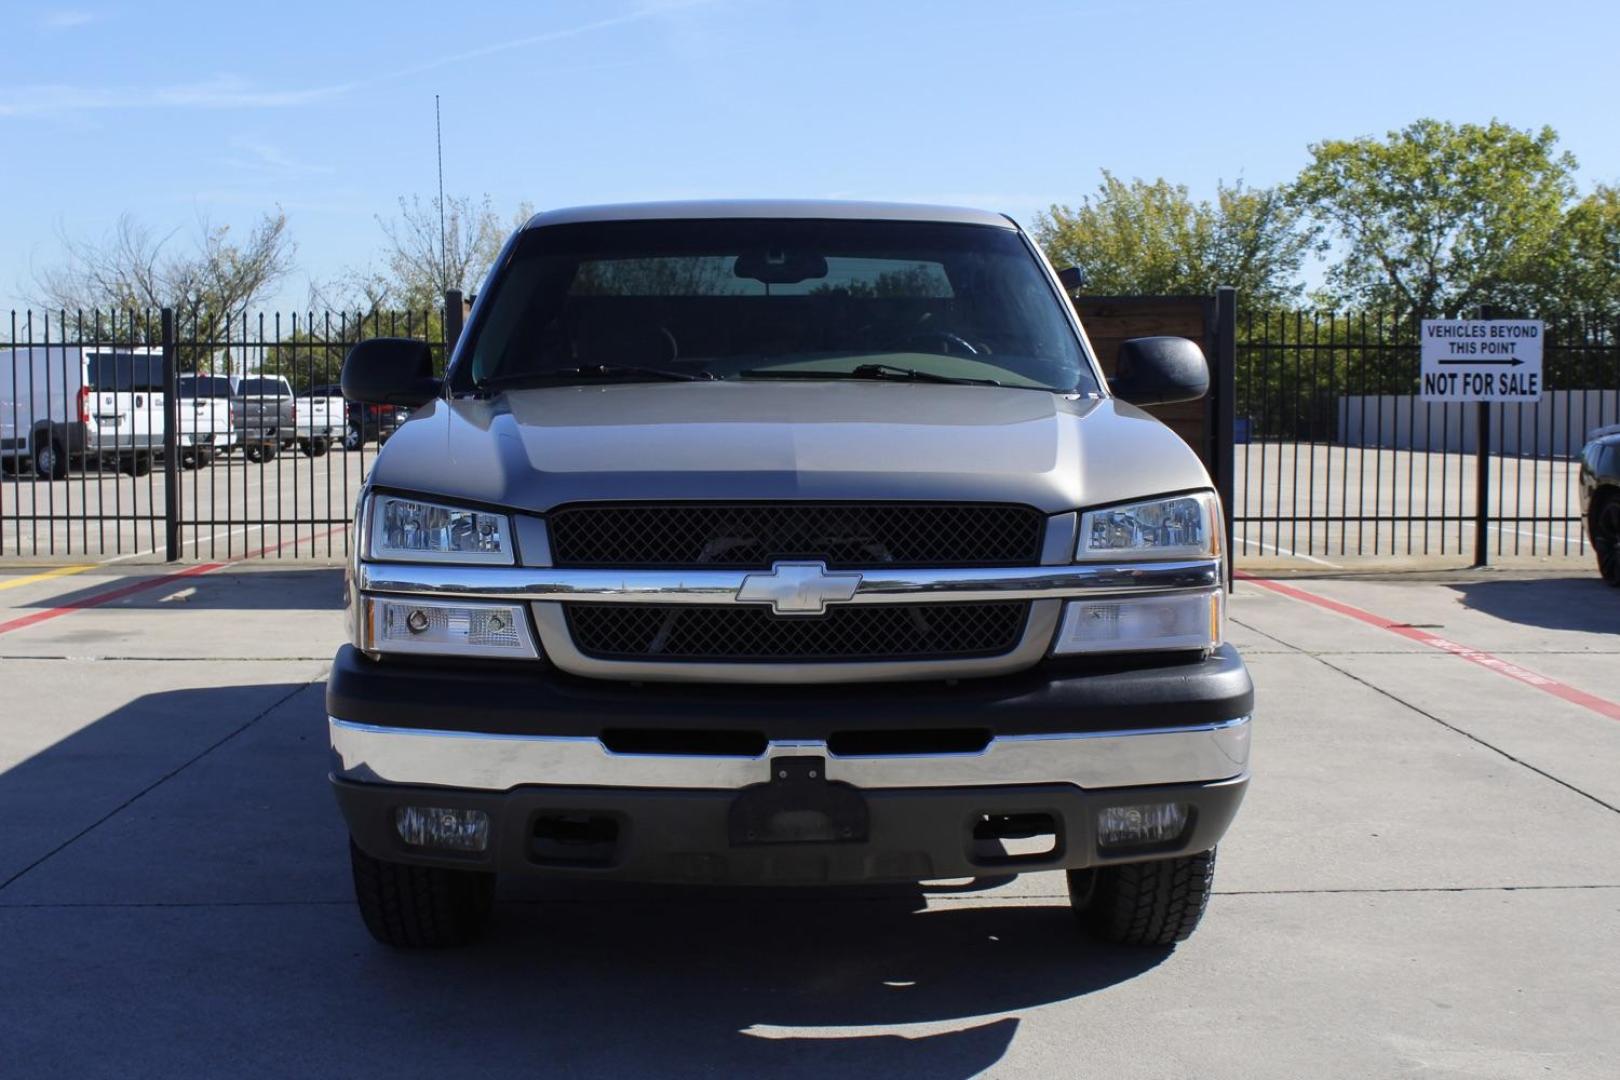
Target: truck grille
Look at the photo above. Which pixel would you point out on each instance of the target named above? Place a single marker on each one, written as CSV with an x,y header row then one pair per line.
x,y
755,534
745,634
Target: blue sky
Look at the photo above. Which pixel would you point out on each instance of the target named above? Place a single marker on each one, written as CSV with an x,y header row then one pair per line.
x,y
179,111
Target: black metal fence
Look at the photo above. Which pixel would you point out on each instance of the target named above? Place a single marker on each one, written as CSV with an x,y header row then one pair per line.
x,y
1337,455
182,435
106,449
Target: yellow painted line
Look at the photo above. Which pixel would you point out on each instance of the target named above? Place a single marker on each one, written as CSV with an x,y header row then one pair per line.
x,y
60,571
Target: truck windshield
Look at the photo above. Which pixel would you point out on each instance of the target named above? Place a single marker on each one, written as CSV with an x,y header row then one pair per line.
x,y
763,298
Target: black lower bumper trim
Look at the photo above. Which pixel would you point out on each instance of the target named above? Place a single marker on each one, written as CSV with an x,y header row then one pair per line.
x,y
685,836
535,699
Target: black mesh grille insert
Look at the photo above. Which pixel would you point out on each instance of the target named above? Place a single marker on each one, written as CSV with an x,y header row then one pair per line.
x,y
757,534
746,634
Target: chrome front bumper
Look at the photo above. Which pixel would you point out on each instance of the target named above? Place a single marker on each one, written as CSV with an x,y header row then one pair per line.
x,y
487,762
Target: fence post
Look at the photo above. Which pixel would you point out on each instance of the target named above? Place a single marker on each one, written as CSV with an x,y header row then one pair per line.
x,y
452,322
171,440
1482,470
1224,412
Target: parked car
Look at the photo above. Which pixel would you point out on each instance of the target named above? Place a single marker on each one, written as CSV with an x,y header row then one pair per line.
x,y
784,543
207,428
272,418
262,408
91,405
1600,498
364,421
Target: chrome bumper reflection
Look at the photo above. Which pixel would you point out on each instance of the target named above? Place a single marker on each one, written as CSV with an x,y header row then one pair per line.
x,y
1104,759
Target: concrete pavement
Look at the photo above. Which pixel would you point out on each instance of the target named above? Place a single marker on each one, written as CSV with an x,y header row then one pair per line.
x,y
1425,877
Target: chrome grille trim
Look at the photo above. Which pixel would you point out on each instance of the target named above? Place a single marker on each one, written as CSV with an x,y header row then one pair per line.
x,y
558,647
878,585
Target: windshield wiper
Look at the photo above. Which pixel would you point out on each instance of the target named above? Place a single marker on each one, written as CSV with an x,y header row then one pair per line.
x,y
865,371
615,372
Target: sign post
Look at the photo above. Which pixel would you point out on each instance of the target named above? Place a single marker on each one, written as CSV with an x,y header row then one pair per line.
x,y
1489,361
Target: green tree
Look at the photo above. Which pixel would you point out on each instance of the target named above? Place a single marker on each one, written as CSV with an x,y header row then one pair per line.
x,y
1438,218
1141,237
1582,275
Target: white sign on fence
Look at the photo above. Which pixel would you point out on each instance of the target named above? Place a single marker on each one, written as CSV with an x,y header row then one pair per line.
x,y
1482,359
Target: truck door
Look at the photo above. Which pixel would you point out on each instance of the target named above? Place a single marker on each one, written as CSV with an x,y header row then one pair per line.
x,y
109,379
146,400
128,389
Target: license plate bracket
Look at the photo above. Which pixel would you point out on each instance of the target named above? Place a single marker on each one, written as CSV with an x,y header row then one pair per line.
x,y
798,805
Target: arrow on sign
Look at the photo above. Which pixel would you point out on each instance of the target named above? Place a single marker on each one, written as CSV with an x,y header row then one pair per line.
x,y
1515,362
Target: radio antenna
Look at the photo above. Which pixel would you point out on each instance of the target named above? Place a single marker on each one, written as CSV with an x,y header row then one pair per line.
x,y
444,253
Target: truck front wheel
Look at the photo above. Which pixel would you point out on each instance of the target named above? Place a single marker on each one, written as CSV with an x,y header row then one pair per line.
x,y
1149,903
420,906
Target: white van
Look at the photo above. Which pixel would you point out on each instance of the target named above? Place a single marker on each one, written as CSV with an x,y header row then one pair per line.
x,y
63,404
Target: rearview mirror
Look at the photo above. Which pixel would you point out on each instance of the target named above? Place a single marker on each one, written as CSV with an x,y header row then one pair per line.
x,y
390,371
1160,370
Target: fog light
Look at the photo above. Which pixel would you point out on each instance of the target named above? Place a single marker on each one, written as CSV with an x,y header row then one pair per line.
x,y
441,827
1132,826
1190,620
467,628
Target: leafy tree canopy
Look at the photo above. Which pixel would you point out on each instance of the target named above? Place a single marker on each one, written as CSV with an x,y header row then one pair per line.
x,y
1141,237
1438,218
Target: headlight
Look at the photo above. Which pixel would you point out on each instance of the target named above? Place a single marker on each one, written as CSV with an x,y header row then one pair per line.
x,y
1179,527
410,530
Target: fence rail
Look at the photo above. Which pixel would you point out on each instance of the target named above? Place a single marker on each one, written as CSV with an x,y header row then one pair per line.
x,y
114,441
1337,456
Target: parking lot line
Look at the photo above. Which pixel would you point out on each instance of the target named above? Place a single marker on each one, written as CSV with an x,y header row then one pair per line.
x,y
1601,706
60,571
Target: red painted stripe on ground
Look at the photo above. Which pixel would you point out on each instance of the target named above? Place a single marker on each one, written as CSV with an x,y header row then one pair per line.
x,y
97,599
1601,706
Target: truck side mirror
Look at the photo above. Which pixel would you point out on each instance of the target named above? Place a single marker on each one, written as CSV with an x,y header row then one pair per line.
x,y
390,371
1072,279
1160,370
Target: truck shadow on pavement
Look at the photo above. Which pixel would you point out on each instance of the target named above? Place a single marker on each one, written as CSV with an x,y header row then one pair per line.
x,y
293,588
1580,603
185,851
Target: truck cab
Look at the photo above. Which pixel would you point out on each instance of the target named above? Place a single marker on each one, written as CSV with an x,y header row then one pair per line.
x,y
784,543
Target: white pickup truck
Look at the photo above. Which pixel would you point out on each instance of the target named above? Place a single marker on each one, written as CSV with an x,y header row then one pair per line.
x,y
318,422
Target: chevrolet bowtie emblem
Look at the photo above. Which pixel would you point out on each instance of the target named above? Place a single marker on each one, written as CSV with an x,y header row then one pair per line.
x,y
798,588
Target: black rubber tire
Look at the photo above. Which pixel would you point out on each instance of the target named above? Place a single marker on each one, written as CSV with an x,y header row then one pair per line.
x,y
136,464
421,907
57,460
315,447
262,451
353,438
1605,527
1148,903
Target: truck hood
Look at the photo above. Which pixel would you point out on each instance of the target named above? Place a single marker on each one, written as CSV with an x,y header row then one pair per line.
x,y
541,448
